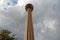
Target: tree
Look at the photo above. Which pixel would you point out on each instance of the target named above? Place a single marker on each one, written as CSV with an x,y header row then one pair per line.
x,y
5,35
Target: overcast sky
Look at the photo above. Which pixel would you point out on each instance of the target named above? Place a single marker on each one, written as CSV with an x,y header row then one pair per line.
x,y
46,18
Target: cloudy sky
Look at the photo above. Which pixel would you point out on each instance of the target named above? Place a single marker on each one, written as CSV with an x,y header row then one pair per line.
x,y
46,18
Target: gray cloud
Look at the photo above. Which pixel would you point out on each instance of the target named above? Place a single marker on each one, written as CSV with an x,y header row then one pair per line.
x,y
46,20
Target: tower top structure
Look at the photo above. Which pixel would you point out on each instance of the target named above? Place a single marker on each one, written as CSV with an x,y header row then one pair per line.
x,y
29,6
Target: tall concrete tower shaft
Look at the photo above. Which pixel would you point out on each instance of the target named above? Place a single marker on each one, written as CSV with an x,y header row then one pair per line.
x,y
29,33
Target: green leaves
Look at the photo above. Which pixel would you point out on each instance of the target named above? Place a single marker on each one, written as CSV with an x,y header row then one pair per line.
x,y
4,35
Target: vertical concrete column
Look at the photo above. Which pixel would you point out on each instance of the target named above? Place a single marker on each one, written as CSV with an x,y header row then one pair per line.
x,y
29,33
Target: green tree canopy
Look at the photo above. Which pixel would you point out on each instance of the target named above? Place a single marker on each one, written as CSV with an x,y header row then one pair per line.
x,y
4,35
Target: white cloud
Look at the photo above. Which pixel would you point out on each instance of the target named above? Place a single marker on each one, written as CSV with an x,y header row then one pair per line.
x,y
23,2
49,23
44,18
5,4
